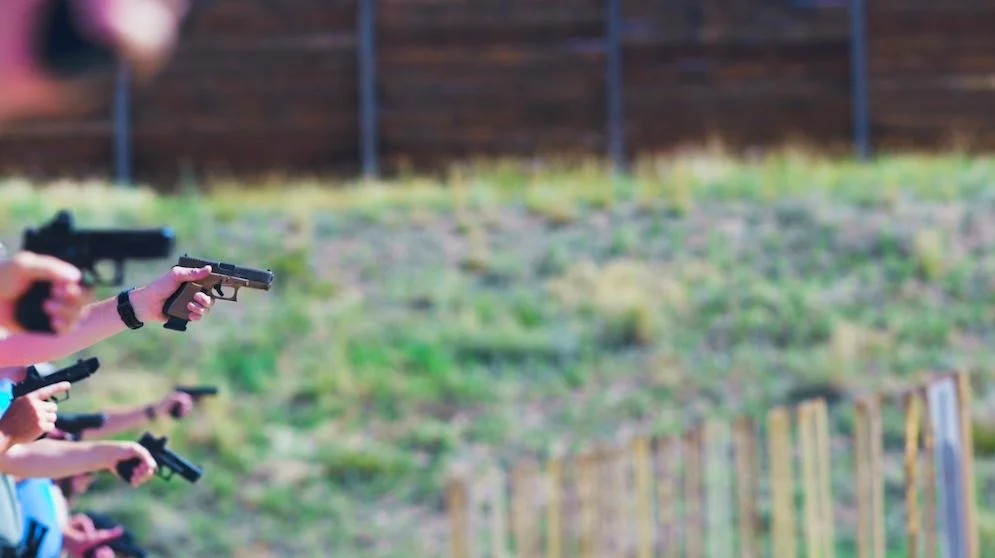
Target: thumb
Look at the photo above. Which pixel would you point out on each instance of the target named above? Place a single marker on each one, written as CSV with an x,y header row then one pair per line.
x,y
84,523
36,266
48,392
186,274
104,536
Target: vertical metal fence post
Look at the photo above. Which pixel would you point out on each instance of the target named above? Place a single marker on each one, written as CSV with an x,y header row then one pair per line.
x,y
858,68
616,126
122,127
367,88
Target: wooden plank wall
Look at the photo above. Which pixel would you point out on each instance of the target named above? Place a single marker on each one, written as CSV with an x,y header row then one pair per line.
x,y
256,86
748,71
262,86
931,73
490,77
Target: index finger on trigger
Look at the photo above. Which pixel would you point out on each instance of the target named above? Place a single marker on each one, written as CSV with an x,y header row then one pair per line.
x,y
67,290
48,391
49,268
84,524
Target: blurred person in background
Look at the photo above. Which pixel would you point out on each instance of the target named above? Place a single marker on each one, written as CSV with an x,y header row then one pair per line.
x,y
26,419
57,56
51,458
50,502
103,319
66,305
56,59
79,324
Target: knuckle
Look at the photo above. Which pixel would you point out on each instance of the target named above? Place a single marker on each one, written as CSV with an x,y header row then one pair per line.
x,y
23,258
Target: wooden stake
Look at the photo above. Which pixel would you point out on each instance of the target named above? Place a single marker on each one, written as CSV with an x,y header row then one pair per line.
x,y
813,527
718,489
967,471
667,495
456,497
554,523
861,458
824,473
642,464
524,518
912,422
929,480
745,440
692,494
587,493
877,478
781,483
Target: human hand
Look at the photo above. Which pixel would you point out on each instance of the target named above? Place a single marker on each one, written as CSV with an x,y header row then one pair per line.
x,y
149,300
81,522
119,452
80,484
67,300
183,402
80,536
142,32
102,552
32,415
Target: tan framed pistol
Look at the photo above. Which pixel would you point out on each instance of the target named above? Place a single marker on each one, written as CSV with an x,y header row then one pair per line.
x,y
223,276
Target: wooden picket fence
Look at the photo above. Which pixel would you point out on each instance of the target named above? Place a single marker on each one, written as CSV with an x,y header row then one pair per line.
x,y
707,491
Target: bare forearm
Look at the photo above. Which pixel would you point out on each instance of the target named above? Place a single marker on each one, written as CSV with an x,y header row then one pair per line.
x,y
52,459
100,322
119,421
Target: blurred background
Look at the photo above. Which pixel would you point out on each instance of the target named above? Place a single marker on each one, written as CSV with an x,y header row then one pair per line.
x,y
339,87
504,228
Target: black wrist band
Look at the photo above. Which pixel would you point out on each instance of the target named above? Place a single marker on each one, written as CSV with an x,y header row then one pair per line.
x,y
127,311
150,412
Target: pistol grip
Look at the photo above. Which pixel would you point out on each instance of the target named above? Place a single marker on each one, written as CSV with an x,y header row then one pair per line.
x,y
126,468
175,307
29,312
175,324
174,411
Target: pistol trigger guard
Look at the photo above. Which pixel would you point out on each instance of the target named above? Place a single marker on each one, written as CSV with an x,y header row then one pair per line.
x,y
221,293
90,277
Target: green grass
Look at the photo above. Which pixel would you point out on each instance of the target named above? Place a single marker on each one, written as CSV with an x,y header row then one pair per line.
x,y
419,325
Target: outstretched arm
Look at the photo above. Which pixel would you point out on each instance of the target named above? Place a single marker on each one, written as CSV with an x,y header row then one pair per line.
x,y
101,320
57,459
126,419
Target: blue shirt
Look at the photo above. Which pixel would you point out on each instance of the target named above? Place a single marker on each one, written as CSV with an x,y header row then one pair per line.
x,y
11,520
38,502
6,394
35,496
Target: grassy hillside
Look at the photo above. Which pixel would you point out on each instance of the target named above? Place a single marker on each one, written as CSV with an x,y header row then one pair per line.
x,y
423,324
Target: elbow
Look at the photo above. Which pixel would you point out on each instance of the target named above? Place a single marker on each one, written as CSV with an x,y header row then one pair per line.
x,y
24,350
12,466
